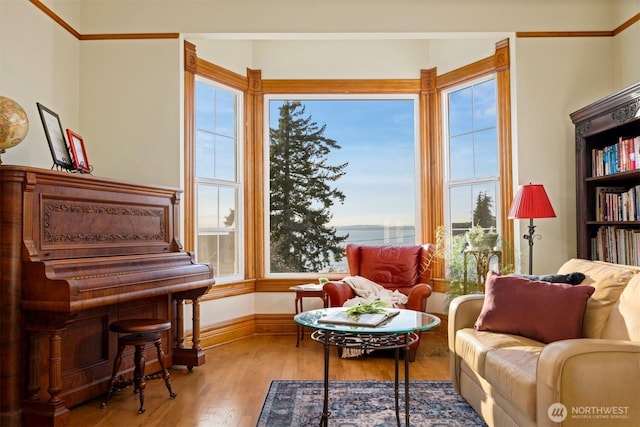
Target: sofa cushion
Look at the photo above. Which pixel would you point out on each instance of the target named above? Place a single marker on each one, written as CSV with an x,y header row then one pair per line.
x,y
473,346
624,321
542,311
609,280
512,371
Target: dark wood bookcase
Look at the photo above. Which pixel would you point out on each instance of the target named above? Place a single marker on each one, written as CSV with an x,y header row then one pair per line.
x,y
602,231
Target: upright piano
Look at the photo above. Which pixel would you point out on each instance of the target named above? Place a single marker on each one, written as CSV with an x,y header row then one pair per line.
x,y
77,253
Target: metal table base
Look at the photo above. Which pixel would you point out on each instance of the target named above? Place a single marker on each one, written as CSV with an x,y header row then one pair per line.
x,y
367,342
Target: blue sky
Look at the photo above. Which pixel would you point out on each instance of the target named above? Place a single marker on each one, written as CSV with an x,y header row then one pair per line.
x,y
377,137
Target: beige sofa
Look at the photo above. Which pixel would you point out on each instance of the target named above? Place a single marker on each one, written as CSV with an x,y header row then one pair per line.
x,y
594,381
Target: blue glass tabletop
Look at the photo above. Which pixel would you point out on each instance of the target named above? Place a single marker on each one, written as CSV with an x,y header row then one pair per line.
x,y
406,321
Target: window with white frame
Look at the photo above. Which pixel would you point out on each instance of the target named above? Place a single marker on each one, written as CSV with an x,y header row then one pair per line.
x,y
218,178
472,172
341,170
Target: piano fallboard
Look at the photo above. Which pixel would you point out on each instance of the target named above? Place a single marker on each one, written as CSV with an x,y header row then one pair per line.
x,y
72,285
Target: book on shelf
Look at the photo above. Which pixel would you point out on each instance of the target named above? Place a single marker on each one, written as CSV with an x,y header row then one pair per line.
x,y
607,203
617,245
622,156
366,319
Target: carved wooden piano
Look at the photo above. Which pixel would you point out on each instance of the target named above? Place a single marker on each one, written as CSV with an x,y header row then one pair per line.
x,y
77,253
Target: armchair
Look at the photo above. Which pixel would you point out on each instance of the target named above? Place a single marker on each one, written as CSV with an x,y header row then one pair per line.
x,y
405,268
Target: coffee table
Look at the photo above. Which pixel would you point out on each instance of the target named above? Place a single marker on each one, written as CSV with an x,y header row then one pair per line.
x,y
397,333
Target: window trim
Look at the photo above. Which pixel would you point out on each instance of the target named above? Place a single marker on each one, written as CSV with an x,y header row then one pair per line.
x,y
237,184
448,184
418,223
498,64
428,87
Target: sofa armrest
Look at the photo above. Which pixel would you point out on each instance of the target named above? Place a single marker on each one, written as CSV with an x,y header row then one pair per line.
x,y
590,376
417,298
338,292
463,313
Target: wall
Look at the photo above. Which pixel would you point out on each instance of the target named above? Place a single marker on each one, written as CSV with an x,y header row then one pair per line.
x,y
39,62
555,76
131,97
125,96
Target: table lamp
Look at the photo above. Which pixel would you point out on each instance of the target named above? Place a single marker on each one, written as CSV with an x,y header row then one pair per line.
x,y
531,201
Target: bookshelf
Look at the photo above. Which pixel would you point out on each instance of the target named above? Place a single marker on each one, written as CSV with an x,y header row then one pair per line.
x,y
607,136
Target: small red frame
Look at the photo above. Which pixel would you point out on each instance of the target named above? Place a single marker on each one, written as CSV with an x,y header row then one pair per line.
x,y
79,154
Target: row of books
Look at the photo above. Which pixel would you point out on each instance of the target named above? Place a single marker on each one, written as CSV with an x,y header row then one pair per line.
x,y
618,203
616,245
620,157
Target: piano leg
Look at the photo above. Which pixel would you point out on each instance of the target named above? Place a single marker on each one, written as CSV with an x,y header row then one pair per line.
x,y
33,389
52,413
193,356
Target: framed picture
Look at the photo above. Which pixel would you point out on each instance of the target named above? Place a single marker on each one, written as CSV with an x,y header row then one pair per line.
x,y
55,137
78,153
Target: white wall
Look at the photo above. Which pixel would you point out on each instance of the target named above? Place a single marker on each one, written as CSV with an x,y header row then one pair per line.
x,y
555,76
125,96
39,62
131,97
344,16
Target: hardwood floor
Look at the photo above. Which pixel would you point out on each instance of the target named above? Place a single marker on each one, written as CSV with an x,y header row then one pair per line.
x,y
230,388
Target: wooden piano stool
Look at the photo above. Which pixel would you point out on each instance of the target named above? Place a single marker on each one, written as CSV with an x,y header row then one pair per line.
x,y
140,333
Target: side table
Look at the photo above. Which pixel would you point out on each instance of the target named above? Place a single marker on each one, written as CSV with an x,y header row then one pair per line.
x,y
309,290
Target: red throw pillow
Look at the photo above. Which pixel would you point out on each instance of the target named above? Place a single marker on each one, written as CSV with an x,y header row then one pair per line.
x,y
542,311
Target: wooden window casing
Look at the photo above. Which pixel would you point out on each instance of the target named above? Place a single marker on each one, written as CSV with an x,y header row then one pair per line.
x,y
428,87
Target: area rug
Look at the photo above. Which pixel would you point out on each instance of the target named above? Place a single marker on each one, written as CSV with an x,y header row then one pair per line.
x,y
365,404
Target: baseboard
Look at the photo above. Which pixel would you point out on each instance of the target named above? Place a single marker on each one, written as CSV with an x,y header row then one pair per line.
x,y
268,324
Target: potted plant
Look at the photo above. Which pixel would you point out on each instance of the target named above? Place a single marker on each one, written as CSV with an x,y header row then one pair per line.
x,y
482,238
452,250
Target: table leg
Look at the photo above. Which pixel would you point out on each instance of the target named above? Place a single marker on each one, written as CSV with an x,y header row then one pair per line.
x,y
324,422
299,329
396,388
406,380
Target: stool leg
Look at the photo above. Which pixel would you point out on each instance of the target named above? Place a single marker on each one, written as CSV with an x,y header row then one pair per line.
x,y
165,372
138,375
114,375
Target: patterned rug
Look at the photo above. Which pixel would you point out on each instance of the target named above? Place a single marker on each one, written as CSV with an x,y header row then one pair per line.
x,y
365,404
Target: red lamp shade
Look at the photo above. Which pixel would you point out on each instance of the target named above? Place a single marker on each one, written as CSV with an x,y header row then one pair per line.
x,y
531,201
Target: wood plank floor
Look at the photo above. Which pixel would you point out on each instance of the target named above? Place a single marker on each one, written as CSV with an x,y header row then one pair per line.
x,y
230,388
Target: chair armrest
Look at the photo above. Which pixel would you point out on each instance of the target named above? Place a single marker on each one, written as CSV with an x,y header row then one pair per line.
x,y
338,292
584,374
417,298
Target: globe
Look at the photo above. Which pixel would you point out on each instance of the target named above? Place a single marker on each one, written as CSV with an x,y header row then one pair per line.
x,y
14,124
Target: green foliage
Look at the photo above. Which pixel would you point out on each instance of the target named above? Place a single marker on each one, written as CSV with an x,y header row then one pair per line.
x,y
483,238
452,251
301,194
367,308
454,260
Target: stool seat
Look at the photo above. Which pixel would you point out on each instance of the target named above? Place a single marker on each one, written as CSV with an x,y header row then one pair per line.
x,y
140,333
139,326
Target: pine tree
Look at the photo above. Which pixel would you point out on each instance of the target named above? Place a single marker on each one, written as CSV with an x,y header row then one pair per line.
x,y
301,194
482,213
